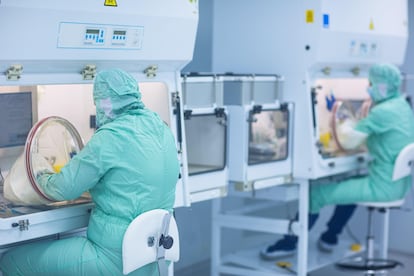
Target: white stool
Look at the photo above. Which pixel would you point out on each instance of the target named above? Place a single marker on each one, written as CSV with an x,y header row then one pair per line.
x,y
151,237
403,167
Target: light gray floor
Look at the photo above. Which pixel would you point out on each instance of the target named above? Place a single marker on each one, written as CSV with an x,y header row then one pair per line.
x,y
407,270
203,269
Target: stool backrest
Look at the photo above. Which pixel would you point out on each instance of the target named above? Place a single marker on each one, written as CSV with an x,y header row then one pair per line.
x,y
141,243
404,163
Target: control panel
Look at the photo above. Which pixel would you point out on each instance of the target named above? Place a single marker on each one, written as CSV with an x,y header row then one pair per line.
x,y
82,35
363,48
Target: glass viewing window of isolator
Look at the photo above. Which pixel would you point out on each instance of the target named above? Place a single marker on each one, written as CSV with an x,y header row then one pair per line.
x,y
268,134
334,102
206,141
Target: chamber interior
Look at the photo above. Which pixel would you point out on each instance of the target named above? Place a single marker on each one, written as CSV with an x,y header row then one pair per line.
x,y
338,100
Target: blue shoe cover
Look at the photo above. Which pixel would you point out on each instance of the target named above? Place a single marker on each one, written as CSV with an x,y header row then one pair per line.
x,y
281,248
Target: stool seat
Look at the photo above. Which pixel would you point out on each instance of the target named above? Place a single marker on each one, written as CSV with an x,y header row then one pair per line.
x,y
386,204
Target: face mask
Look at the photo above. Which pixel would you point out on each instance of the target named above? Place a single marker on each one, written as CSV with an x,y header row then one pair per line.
x,y
370,91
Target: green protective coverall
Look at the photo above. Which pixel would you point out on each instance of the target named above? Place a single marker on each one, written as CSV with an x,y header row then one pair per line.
x,y
129,166
389,127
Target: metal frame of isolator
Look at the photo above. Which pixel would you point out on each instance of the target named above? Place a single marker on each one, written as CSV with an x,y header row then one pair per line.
x,y
244,95
275,226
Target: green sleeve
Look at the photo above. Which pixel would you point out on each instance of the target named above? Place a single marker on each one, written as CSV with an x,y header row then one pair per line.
x,y
80,174
372,124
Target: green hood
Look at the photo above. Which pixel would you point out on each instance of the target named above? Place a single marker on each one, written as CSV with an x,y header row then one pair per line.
x,y
385,82
115,92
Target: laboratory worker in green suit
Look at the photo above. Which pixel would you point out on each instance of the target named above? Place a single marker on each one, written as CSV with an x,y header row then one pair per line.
x,y
129,166
386,130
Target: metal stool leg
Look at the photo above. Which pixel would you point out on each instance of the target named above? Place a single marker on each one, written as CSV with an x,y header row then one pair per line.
x,y
370,236
369,264
385,234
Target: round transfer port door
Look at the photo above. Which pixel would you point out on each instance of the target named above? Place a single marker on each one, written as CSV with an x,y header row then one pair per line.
x,y
50,144
349,112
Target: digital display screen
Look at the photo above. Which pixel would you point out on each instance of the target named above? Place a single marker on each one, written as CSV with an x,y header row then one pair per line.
x,y
119,32
15,118
92,31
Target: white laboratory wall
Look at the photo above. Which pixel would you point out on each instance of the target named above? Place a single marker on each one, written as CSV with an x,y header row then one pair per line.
x,y
203,48
402,222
